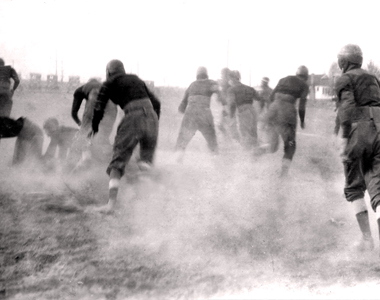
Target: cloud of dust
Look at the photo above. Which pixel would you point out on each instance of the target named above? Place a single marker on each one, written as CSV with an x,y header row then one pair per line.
x,y
229,211
232,212
47,180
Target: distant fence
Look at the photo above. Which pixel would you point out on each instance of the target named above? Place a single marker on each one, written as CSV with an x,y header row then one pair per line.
x,y
46,86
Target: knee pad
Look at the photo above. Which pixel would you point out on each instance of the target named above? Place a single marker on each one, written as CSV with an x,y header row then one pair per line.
x,y
114,183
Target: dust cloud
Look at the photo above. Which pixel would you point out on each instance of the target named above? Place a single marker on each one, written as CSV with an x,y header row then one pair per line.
x,y
227,217
231,214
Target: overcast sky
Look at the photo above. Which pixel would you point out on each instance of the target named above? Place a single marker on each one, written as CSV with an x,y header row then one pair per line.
x,y
167,40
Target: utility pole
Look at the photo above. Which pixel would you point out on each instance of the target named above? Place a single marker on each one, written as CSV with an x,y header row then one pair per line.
x,y
61,70
228,50
56,63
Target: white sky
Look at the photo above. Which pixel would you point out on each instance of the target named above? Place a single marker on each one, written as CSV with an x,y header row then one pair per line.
x,y
165,40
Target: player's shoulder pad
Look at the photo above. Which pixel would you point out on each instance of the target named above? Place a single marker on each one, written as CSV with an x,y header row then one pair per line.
x,y
192,84
78,90
342,82
214,84
284,79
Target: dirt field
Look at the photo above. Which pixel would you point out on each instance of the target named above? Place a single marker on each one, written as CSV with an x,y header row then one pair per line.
x,y
212,228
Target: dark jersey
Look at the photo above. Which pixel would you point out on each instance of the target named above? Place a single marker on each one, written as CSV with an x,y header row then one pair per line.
x,y
199,92
122,89
265,94
243,94
6,73
293,86
355,88
81,93
10,127
62,139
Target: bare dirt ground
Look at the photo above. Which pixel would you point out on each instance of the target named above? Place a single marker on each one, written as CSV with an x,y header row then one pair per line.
x,y
212,228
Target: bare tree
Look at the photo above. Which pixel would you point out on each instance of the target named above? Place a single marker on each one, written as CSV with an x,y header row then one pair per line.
x,y
373,69
334,70
334,73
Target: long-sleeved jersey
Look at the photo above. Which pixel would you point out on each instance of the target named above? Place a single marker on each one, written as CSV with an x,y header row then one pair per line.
x,y
6,73
83,92
199,93
265,93
355,88
10,127
241,94
293,88
122,89
197,113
